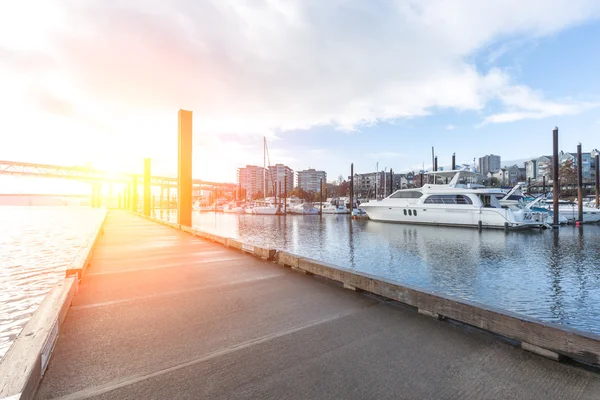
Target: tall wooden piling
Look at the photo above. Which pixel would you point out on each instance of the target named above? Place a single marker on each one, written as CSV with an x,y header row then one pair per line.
x,y
453,161
321,196
285,194
579,184
279,193
435,164
134,194
184,168
147,191
544,184
391,181
352,188
597,160
555,177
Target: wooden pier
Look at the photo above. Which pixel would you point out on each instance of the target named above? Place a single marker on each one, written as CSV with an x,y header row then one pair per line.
x,y
163,314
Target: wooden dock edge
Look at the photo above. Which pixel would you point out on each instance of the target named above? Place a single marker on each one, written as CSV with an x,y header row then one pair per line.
x,y
530,332
80,263
23,366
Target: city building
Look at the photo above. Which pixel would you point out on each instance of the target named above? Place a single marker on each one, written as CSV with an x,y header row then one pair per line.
x,y
251,178
531,170
365,184
490,163
310,179
587,162
278,173
543,168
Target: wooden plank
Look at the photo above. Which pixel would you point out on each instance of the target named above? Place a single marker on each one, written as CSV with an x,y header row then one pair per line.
x,y
24,364
578,345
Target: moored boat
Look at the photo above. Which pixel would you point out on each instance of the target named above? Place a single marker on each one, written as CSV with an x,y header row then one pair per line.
x,y
447,204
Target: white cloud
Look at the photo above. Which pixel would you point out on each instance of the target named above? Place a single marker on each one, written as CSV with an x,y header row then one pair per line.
x,y
267,66
450,127
524,103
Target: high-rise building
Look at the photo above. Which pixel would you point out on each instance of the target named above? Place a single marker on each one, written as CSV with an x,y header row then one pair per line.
x,y
309,179
251,178
490,163
278,173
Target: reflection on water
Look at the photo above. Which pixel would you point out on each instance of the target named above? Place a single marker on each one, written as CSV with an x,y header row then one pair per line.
x,y
36,246
550,275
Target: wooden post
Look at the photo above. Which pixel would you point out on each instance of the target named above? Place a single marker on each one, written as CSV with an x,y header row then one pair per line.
x,y
184,168
285,194
391,182
555,177
279,192
162,197
321,196
579,184
597,160
351,188
99,195
453,161
147,192
435,165
544,184
134,194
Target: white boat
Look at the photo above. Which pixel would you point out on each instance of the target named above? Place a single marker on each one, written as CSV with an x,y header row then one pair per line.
x,y
265,208
335,206
570,211
436,204
233,208
303,209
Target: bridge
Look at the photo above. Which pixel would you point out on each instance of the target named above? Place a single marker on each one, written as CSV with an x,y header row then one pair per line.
x,y
98,177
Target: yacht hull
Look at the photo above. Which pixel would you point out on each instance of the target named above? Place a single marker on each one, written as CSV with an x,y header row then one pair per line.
x,y
458,216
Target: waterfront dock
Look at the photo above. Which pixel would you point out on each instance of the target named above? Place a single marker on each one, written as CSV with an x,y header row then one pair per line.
x,y
161,313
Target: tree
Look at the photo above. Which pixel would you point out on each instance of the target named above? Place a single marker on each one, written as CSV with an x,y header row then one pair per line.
x,y
258,195
568,173
343,188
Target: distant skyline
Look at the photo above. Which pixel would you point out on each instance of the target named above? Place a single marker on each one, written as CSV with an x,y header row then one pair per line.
x,y
328,83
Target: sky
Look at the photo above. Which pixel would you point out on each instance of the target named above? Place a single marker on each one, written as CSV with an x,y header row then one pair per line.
x,y
327,82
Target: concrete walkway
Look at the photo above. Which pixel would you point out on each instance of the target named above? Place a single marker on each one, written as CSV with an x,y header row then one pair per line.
x,y
162,314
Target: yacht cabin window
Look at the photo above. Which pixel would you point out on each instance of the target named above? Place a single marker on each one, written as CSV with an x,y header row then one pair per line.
x,y
448,199
403,194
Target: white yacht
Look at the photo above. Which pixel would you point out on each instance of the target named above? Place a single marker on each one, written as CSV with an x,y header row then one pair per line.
x,y
450,204
570,211
233,208
303,209
335,206
265,208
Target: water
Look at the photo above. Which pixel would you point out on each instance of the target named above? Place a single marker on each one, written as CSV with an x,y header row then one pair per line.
x,y
36,246
550,275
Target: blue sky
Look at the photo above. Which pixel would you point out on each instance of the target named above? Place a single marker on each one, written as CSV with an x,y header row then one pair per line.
x,y
328,83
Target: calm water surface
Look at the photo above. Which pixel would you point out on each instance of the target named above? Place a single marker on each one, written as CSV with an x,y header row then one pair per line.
x,y
36,246
550,275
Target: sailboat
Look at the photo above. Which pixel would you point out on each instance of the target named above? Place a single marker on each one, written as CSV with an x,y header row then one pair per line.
x,y
265,207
